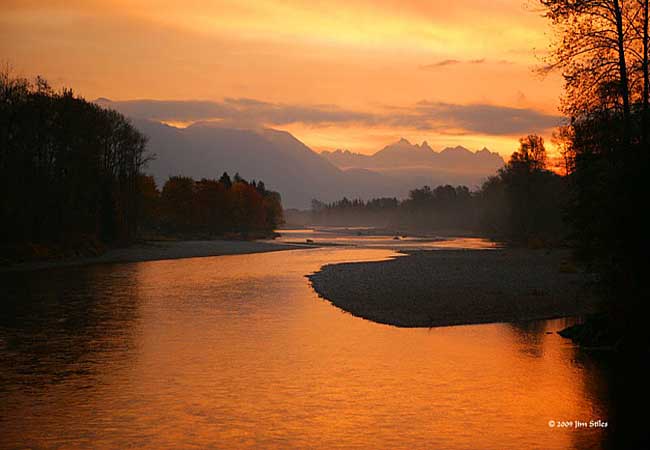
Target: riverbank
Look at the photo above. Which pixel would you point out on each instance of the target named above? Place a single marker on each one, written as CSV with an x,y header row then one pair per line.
x,y
159,250
454,287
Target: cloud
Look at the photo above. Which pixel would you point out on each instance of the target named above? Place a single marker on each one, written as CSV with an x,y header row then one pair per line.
x,y
452,62
447,118
243,111
483,118
438,64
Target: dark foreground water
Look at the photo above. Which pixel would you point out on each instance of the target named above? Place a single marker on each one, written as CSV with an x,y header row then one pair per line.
x,y
238,351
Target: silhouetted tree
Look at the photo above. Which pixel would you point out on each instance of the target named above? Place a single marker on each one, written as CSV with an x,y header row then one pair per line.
x,y
149,202
602,50
69,169
531,154
225,180
534,195
591,51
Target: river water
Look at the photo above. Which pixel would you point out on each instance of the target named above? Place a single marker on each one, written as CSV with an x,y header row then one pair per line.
x,y
239,351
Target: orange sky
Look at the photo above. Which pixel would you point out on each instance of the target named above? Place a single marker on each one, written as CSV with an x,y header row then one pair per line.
x,y
449,72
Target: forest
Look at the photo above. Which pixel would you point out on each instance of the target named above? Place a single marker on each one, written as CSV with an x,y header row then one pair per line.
x,y
72,181
524,202
209,208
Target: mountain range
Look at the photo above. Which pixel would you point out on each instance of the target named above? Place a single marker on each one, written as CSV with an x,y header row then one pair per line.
x,y
287,165
403,155
206,150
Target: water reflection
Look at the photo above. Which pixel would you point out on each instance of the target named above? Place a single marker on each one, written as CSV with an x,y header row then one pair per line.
x,y
238,351
56,324
621,386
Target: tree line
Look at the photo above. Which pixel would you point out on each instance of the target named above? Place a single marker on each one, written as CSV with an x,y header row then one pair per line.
x,y
209,207
601,49
524,201
71,176
68,168
444,207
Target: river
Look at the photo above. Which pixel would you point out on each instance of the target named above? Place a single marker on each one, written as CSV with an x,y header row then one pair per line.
x,y
239,351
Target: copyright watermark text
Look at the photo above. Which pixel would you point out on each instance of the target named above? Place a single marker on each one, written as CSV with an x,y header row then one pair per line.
x,y
577,424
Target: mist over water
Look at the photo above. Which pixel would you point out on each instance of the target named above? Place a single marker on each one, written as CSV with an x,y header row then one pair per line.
x,y
239,351
369,237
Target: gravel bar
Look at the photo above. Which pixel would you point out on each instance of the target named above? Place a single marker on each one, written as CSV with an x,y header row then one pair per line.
x,y
454,287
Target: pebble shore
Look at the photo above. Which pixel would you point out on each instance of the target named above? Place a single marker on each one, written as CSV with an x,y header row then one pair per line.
x,y
453,287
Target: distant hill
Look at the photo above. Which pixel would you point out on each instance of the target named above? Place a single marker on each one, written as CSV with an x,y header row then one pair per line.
x,y
279,159
288,166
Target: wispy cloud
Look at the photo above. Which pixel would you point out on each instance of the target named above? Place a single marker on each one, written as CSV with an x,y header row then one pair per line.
x,y
440,117
242,111
438,64
453,62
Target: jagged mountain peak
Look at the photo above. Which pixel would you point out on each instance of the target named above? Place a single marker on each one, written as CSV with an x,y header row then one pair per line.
x,y
402,155
457,149
404,146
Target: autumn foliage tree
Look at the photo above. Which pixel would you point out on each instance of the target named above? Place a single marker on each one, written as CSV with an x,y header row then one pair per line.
x,y
211,207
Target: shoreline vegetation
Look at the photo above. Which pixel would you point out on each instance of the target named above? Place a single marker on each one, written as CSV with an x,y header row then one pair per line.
x,y
73,183
157,251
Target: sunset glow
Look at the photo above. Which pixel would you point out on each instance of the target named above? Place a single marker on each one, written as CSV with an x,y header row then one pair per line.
x,y
370,65
369,224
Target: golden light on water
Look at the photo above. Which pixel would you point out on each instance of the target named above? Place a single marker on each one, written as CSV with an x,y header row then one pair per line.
x,y
240,351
